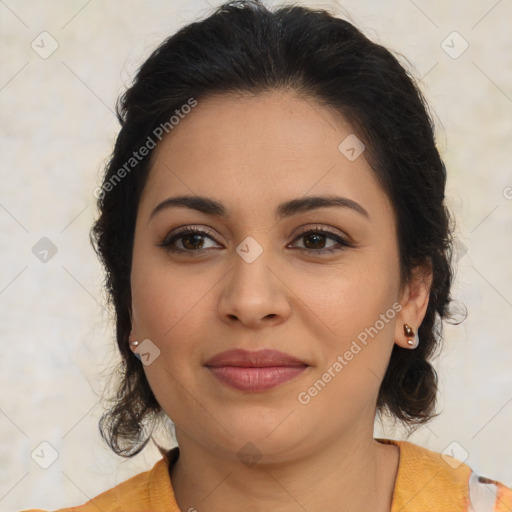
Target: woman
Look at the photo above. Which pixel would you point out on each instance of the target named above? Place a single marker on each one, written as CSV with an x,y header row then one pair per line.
x,y
278,253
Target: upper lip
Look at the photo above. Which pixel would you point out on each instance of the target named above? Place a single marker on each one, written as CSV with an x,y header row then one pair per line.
x,y
256,359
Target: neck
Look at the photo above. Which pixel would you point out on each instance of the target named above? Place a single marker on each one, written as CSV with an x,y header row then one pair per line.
x,y
342,475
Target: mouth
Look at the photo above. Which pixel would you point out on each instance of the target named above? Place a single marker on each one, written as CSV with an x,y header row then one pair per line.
x,y
255,371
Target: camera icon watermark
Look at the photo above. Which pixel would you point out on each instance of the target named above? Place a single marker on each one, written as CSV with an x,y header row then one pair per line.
x,y
351,147
44,250
147,352
454,45
249,249
454,455
507,193
44,45
44,455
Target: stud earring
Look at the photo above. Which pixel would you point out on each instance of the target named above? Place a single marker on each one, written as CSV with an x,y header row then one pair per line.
x,y
134,345
409,332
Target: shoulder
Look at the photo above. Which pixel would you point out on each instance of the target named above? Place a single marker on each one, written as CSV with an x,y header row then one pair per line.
x,y
149,491
428,480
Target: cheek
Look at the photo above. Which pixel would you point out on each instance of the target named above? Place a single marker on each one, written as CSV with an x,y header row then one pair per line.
x,y
355,297
361,309
167,309
164,298
346,382
170,306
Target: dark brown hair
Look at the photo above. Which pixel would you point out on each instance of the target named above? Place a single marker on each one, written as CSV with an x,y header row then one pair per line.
x,y
245,48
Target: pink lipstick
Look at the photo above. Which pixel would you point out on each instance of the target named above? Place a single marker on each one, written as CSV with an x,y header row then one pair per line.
x,y
254,371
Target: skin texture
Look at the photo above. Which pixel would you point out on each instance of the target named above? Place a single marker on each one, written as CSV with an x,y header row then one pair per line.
x,y
252,153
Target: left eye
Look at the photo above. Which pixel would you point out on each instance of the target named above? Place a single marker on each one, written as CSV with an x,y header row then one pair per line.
x,y
316,237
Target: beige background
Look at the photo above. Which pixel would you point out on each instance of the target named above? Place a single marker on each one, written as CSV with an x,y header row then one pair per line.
x,y
57,131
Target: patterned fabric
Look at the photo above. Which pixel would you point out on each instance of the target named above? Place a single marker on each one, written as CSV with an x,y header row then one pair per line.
x,y
430,482
488,495
426,482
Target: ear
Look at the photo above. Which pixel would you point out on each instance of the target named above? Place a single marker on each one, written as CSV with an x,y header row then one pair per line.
x,y
414,301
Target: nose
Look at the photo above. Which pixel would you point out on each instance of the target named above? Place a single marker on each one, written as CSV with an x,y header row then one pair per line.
x,y
254,294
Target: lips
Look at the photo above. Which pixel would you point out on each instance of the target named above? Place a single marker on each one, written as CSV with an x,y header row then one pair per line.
x,y
259,359
254,371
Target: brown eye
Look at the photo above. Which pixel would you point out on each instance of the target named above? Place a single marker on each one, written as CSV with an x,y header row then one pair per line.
x,y
192,240
315,241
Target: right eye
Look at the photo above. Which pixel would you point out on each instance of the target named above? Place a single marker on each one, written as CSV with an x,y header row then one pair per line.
x,y
191,240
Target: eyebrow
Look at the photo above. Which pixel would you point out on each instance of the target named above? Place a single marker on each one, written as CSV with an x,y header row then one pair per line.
x,y
287,209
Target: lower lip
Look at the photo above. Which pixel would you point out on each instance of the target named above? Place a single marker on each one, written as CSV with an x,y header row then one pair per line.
x,y
255,379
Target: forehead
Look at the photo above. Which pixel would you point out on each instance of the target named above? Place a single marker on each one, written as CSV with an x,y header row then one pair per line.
x,y
242,128
274,145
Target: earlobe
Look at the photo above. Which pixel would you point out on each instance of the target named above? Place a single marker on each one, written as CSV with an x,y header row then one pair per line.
x,y
414,307
132,340
412,337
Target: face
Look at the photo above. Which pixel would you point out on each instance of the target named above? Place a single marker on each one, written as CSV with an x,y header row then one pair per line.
x,y
317,281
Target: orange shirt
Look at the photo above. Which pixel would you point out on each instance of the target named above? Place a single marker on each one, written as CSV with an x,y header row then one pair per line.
x,y
425,482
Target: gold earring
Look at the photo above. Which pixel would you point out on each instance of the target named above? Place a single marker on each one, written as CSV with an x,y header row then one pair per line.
x,y
409,332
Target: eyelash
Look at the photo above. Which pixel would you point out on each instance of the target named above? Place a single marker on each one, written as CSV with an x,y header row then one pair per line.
x,y
168,241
